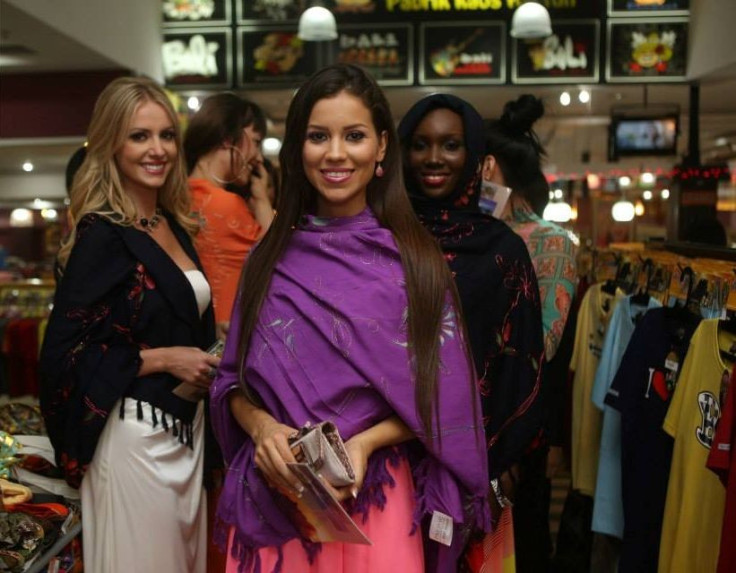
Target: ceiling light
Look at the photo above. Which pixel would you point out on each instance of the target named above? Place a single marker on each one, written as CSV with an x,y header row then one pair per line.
x,y
565,98
49,214
558,193
623,211
21,218
193,103
624,181
271,145
647,178
317,24
647,195
665,193
559,212
531,20
27,166
584,96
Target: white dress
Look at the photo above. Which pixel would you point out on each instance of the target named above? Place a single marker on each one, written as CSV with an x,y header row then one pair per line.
x,y
143,502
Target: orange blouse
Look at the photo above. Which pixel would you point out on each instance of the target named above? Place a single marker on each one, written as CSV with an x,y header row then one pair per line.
x,y
228,231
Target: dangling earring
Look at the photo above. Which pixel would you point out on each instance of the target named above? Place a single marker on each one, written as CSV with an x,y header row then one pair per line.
x,y
379,170
243,167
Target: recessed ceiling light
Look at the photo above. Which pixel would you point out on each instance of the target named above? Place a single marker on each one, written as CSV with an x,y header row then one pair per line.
x,y
584,96
27,166
193,103
565,98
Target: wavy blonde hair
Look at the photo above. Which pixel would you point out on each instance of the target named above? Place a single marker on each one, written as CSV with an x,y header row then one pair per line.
x,y
97,186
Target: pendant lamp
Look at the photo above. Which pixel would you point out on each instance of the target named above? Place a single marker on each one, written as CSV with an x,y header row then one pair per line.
x,y
317,24
531,21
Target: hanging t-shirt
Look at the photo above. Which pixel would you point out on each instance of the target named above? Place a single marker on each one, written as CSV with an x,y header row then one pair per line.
x,y
595,310
723,461
691,530
608,513
641,391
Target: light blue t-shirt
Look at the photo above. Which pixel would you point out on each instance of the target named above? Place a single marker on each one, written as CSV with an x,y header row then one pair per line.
x,y
608,511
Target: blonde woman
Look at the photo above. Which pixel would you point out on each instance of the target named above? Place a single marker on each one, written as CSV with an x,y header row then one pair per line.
x,y
123,363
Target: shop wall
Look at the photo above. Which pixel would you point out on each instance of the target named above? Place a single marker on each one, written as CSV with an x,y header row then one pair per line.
x,y
713,43
50,104
30,186
125,32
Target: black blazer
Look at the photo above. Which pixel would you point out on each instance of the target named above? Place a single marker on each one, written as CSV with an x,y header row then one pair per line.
x,y
120,293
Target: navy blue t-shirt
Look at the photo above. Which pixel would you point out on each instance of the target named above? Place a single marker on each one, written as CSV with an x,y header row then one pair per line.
x,y
641,391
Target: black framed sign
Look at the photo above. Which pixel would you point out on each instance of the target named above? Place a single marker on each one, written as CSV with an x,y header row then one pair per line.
x,y
384,50
651,51
570,54
648,8
197,58
269,11
462,53
272,55
187,13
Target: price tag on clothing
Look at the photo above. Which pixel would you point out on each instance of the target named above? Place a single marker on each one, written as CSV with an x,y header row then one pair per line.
x,y
440,528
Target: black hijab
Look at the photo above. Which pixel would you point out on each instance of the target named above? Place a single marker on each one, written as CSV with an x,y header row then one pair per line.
x,y
497,287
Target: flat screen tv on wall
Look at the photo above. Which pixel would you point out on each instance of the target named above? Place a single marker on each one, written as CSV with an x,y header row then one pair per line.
x,y
643,135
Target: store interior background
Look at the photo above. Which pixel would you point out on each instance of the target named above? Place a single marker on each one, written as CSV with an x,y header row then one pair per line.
x,y
55,57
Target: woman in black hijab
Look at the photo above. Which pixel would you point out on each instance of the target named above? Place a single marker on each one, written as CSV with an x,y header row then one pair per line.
x,y
442,139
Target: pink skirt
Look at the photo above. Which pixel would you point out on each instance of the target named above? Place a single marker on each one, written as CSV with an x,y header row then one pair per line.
x,y
393,549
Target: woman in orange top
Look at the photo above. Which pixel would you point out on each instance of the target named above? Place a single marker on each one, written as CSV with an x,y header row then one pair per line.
x,y
223,148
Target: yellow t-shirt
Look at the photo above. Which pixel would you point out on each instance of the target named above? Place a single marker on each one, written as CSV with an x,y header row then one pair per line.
x,y
595,311
693,514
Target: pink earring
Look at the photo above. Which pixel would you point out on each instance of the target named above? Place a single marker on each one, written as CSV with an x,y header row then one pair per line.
x,y
379,170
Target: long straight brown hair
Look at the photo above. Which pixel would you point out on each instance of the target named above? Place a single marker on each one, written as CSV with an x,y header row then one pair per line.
x,y
428,278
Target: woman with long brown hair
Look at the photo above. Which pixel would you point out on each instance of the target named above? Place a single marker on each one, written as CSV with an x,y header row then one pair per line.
x,y
347,313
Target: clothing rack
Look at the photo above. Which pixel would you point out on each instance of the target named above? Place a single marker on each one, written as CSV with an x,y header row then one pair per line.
x,y
26,299
660,269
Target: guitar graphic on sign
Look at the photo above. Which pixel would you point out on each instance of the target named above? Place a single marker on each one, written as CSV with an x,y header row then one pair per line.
x,y
445,60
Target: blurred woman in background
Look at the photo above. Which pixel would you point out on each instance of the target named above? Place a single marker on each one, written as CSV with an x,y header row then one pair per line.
x,y
222,146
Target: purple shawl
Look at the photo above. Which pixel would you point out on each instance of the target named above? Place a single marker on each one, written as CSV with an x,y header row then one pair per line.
x,y
331,344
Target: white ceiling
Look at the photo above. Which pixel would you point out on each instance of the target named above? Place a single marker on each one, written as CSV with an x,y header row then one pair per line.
x,y
567,131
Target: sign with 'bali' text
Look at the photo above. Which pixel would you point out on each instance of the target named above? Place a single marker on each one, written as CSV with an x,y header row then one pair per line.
x,y
197,58
569,54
